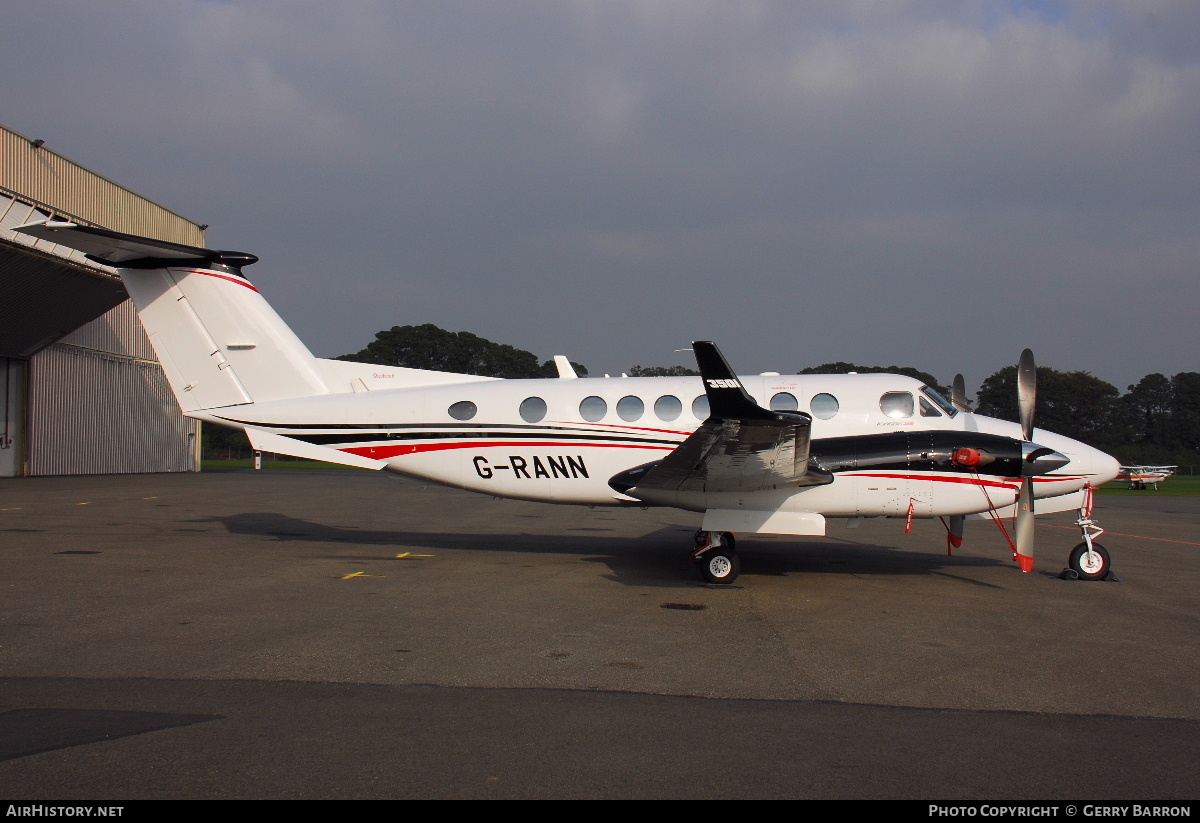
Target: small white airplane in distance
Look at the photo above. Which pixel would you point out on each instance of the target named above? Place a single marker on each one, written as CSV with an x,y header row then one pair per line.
x,y
770,454
1138,476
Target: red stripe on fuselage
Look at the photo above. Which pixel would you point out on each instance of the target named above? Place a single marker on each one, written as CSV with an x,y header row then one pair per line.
x,y
616,428
973,481
384,452
1013,485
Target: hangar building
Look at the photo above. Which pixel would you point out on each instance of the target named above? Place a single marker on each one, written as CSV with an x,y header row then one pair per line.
x,y
81,391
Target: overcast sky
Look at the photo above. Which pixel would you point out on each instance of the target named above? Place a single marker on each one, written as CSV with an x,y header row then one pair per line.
x,y
930,184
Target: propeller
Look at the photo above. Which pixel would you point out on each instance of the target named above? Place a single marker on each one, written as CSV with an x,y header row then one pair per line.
x,y
1027,405
958,394
1035,460
1026,392
954,530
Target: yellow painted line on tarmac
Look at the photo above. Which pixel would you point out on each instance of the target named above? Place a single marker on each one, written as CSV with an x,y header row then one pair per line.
x,y
13,509
410,554
361,574
150,498
406,554
82,504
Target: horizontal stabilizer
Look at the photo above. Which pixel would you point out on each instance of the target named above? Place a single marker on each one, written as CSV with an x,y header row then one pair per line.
x,y
121,250
219,341
264,441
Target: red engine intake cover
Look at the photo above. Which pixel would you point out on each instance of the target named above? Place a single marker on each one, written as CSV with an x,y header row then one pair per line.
x,y
966,457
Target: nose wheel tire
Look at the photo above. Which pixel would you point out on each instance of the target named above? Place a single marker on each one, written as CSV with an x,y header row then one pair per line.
x,y
1092,565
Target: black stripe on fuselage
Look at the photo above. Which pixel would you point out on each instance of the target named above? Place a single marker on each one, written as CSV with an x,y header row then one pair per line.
x,y
343,438
280,428
918,450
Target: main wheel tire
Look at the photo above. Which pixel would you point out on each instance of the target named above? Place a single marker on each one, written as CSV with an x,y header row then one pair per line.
x,y
1092,566
720,566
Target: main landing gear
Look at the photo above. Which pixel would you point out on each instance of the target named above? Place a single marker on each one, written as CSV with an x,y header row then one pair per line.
x,y
716,555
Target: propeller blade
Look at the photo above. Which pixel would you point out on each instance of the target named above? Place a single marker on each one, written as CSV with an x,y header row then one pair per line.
x,y
958,394
1027,392
954,532
1025,525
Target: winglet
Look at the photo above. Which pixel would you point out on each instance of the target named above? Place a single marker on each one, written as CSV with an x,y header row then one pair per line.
x,y
727,398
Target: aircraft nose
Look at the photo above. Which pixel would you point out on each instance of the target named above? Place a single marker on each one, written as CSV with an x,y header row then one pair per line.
x,y
1095,465
1107,468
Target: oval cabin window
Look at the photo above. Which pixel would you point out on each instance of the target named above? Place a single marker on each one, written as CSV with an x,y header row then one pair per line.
x,y
668,408
592,409
533,410
785,401
463,410
824,406
630,408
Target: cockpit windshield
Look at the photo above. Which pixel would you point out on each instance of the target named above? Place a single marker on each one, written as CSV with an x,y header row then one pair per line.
x,y
942,403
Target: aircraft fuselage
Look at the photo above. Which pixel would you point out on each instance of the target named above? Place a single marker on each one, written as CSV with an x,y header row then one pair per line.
x,y
888,440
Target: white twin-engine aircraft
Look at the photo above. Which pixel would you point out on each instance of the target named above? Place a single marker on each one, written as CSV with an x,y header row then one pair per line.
x,y
774,454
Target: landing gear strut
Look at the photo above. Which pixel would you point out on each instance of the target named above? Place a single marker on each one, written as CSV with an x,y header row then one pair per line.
x,y
716,555
1089,560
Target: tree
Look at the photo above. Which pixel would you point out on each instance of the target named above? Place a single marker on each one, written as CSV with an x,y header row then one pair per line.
x,y
1148,406
1185,410
219,441
435,349
842,367
1075,404
662,371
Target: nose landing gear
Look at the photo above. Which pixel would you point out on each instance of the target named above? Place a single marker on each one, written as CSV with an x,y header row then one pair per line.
x,y
716,555
1089,560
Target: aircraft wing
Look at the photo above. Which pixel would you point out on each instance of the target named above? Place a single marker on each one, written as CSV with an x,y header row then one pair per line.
x,y
741,447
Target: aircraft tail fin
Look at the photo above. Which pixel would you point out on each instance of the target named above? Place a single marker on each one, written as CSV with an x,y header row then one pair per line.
x,y
219,341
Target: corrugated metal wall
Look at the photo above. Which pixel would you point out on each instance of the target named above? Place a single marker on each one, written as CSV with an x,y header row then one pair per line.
x,y
117,332
119,415
49,179
96,401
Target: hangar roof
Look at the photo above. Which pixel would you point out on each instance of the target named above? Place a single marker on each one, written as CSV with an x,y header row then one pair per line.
x,y
48,291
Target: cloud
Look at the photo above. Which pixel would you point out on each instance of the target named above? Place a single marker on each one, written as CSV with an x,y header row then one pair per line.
x,y
927,183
